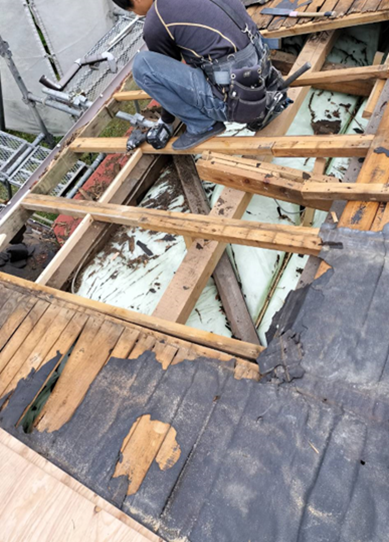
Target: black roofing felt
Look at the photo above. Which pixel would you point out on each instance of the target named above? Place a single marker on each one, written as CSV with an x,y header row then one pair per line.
x,y
301,456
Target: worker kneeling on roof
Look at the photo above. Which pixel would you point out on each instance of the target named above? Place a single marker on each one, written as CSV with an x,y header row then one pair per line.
x,y
227,74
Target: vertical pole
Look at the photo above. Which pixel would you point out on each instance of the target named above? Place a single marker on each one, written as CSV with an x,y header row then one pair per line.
x,y
2,114
5,52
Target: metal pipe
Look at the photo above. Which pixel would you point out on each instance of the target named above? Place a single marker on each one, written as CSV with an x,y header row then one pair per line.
x,y
2,114
56,105
77,101
6,53
86,175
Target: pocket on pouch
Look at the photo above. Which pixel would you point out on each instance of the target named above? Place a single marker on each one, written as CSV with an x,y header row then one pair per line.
x,y
245,104
244,112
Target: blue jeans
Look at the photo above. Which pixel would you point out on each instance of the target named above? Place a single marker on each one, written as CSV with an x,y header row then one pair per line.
x,y
180,89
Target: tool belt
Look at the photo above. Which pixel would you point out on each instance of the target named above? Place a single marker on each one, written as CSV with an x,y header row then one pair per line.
x,y
247,80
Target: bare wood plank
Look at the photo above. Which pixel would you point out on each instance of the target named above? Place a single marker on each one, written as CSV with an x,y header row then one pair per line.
x,y
131,95
36,347
277,237
254,180
284,146
22,333
307,192
355,19
58,351
41,502
91,353
230,293
200,261
140,449
145,343
164,353
14,320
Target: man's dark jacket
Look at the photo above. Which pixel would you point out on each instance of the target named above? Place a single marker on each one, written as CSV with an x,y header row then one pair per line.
x,y
194,30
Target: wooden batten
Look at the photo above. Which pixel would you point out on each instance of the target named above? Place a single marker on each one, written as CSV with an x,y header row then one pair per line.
x,y
284,146
272,236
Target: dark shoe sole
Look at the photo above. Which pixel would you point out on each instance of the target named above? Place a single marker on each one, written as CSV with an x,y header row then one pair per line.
x,y
187,141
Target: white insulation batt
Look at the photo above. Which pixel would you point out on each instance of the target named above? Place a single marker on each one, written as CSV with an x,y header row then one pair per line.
x,y
136,266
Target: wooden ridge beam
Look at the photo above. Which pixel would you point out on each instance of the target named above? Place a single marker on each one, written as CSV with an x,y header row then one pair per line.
x,y
272,236
284,146
192,275
196,336
328,24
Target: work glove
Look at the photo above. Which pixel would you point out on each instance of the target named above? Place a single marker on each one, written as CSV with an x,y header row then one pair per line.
x,y
159,135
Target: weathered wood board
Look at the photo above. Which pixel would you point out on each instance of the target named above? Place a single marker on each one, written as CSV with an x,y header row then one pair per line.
x,y
349,13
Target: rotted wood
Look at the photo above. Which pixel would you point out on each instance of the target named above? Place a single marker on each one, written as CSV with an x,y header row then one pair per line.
x,y
238,316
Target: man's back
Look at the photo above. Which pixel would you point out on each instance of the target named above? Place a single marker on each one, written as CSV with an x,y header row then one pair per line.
x,y
195,29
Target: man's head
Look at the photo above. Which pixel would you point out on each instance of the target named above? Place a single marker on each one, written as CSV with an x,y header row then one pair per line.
x,y
139,7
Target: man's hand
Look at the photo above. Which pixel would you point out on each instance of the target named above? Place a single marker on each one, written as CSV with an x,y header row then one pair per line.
x,y
159,135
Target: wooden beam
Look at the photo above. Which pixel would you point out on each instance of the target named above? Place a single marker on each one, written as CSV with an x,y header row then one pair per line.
x,y
310,190
347,21
271,236
192,275
377,89
364,73
197,336
260,178
375,170
234,304
131,96
284,146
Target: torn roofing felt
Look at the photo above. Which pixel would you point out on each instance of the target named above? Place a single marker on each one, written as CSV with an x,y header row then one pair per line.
x,y
300,456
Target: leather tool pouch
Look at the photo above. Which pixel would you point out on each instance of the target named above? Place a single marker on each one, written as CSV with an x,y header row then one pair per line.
x,y
247,95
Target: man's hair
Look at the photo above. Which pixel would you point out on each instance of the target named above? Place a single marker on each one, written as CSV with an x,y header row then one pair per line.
x,y
124,4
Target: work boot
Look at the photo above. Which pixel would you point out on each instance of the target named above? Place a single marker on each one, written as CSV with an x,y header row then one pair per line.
x,y
187,140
